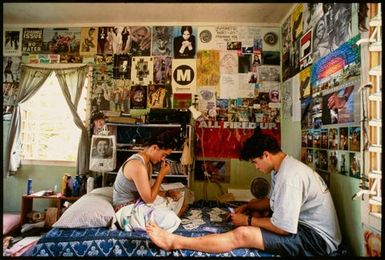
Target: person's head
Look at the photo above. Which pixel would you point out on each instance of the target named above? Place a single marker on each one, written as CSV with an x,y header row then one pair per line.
x,y
186,32
91,31
98,119
160,145
138,95
320,29
259,149
102,147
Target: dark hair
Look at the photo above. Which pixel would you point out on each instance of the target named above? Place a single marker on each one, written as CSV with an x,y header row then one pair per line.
x,y
97,115
255,145
97,140
164,140
186,28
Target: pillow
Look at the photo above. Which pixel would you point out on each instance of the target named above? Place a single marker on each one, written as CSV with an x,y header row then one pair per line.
x,y
10,222
104,191
92,210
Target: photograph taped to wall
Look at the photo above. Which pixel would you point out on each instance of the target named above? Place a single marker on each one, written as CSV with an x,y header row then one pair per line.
x,y
162,70
372,238
103,153
216,169
138,97
343,160
11,68
12,42
333,164
88,40
355,165
354,138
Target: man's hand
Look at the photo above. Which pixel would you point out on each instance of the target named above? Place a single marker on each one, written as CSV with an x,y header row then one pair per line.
x,y
241,209
239,219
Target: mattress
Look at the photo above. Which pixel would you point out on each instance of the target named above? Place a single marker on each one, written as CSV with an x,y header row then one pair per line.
x,y
202,217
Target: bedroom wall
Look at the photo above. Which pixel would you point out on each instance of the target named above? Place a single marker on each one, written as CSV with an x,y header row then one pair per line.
x,y
342,187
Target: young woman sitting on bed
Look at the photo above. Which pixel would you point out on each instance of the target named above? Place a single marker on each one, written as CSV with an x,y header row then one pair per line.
x,y
133,179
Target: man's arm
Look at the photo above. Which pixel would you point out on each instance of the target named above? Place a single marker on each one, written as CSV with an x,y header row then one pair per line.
x,y
265,223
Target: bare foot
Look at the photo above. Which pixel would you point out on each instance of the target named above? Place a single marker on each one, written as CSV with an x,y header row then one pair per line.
x,y
160,237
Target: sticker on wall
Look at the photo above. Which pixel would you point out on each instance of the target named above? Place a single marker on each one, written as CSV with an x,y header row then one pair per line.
x,y
184,75
206,38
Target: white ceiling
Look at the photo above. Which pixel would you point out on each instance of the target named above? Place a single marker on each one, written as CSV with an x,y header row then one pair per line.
x,y
104,14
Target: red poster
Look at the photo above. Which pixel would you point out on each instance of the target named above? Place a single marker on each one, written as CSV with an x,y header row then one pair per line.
x,y
222,139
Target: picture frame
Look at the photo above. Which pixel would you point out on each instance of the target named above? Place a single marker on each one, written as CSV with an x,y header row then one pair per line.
x,y
12,44
103,153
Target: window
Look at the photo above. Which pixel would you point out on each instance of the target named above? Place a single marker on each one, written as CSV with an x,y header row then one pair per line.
x,y
48,132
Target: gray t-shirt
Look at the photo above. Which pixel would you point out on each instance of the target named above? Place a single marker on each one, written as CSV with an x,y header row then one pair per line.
x,y
124,189
299,195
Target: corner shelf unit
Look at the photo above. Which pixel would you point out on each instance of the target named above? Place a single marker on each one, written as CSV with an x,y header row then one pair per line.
x,y
130,140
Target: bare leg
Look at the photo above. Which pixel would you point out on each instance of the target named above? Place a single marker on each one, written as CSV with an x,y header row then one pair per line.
x,y
213,243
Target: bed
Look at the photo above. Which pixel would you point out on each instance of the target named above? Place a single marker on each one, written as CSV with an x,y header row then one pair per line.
x,y
107,242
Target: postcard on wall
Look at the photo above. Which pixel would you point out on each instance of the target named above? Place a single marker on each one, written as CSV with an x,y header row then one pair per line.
x,y
184,75
304,87
88,41
269,73
206,38
162,39
140,40
355,165
142,70
120,95
32,40
225,34
207,63
354,138
104,45
61,40
162,70
12,42
217,170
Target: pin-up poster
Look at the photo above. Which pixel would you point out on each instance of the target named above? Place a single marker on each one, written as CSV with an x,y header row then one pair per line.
x,y
88,40
120,95
138,97
142,70
11,66
162,39
372,238
184,75
32,40
61,40
12,42
182,100
297,22
206,39
311,14
286,49
304,87
229,136
162,70
207,63
340,66
184,43
122,66
159,96
305,54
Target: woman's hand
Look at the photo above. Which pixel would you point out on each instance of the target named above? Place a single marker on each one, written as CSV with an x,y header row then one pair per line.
x,y
164,169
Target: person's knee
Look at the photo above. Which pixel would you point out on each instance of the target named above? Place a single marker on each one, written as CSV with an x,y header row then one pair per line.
x,y
240,235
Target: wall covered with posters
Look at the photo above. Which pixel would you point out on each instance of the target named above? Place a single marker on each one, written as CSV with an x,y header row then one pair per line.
x,y
233,72
321,66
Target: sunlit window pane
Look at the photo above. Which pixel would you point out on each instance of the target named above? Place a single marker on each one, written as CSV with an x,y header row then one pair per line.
x,y
48,131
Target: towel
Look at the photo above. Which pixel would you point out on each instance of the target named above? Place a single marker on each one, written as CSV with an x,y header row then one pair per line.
x,y
163,212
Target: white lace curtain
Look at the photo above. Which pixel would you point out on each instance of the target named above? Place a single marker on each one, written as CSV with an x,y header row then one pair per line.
x,y
71,80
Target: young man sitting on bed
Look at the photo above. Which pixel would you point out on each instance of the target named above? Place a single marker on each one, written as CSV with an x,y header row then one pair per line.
x,y
133,179
303,220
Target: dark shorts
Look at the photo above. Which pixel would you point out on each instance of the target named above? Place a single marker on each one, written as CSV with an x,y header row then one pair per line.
x,y
307,242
